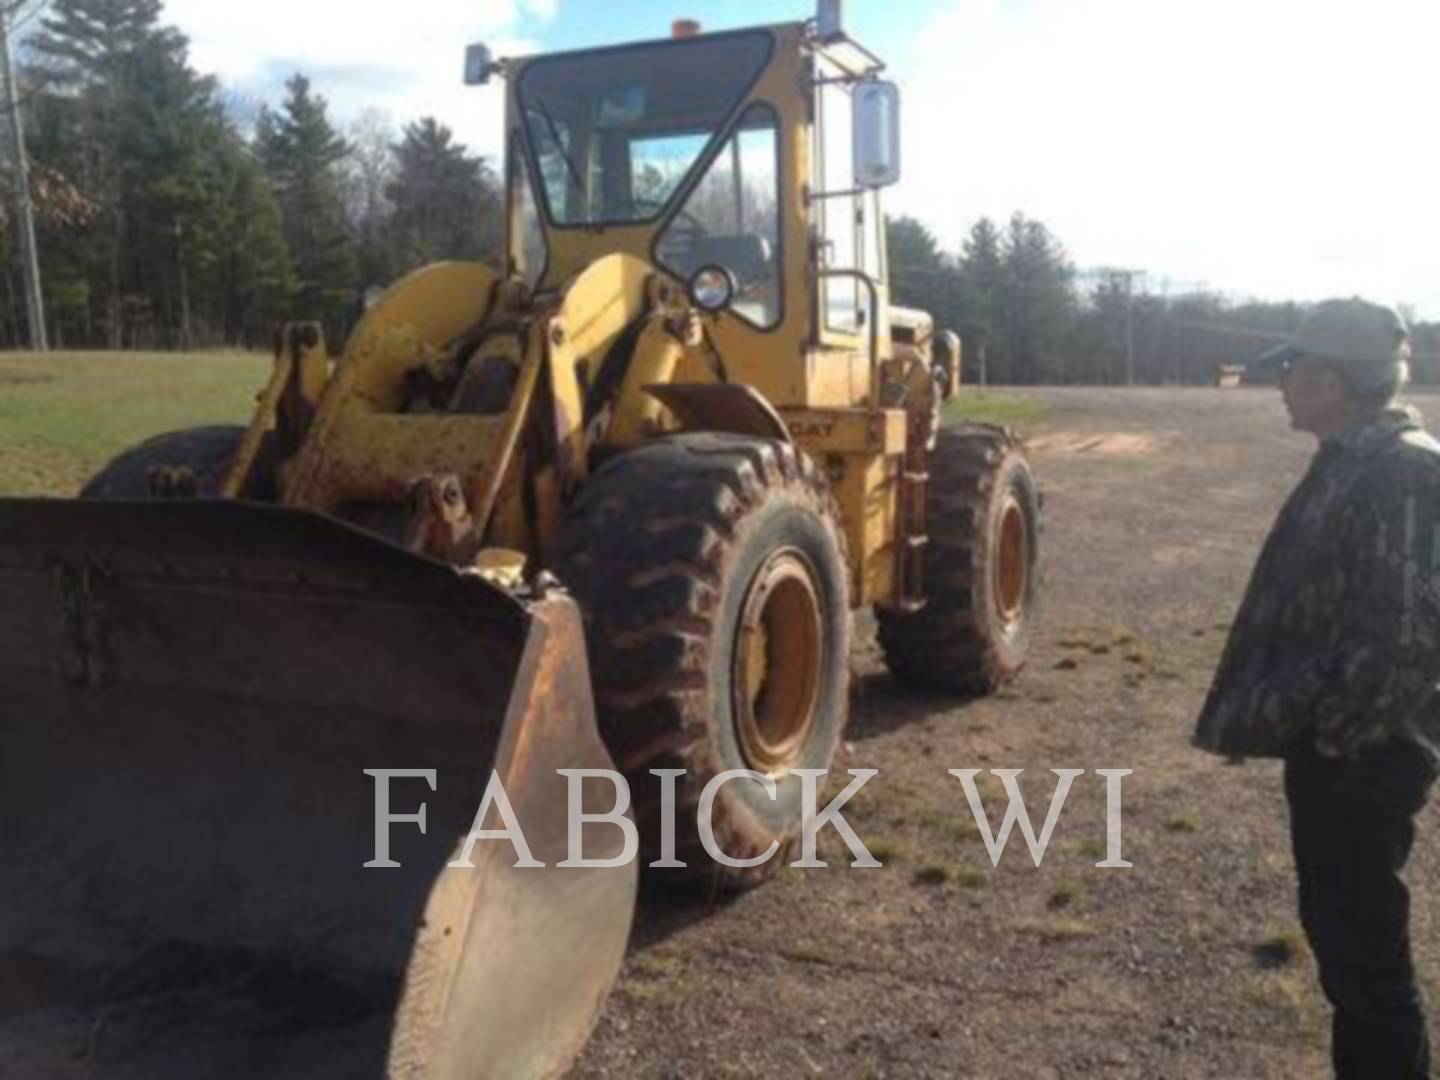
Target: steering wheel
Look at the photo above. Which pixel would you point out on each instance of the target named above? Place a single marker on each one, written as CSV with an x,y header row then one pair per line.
x,y
677,243
696,228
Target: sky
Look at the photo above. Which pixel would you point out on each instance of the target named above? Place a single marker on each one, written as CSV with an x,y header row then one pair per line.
x,y
1254,147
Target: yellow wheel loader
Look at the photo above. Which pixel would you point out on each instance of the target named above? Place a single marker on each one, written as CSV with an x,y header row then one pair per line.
x,y
610,505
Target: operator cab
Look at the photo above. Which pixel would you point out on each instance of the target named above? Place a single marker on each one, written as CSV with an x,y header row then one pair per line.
x,y
747,165
619,143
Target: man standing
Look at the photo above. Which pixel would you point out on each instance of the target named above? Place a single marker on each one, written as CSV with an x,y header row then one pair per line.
x,y
1333,665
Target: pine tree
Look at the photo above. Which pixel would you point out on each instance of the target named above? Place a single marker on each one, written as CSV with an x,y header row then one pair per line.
x,y
130,123
447,201
921,275
301,153
242,266
1038,302
174,238
92,41
982,275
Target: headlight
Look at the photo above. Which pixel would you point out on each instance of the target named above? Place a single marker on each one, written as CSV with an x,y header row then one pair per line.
x,y
712,288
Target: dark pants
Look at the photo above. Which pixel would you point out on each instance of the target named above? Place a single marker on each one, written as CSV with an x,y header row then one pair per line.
x,y
1352,823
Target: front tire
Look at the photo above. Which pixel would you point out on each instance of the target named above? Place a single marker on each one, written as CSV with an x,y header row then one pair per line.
x,y
714,583
205,451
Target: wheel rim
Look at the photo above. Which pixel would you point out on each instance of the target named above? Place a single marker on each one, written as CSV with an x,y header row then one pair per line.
x,y
1012,562
778,652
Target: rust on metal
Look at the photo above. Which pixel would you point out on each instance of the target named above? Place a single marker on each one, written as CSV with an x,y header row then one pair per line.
x,y
192,693
440,521
727,407
779,652
1012,561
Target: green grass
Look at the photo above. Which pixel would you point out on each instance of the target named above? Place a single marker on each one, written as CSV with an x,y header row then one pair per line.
x,y
655,964
1091,849
1183,823
63,415
931,874
973,405
888,851
970,878
1055,929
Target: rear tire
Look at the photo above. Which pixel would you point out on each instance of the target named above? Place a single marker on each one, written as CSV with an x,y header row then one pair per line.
x,y
206,451
715,588
983,518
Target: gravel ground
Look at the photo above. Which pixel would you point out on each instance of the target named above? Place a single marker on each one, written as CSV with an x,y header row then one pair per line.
x,y
938,965
1188,964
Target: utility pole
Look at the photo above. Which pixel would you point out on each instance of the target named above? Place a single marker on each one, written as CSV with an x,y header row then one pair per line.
x,y
1190,287
24,212
1114,277
1130,328
1128,276
185,338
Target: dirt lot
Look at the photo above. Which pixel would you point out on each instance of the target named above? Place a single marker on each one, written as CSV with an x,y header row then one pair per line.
x,y
1188,965
938,965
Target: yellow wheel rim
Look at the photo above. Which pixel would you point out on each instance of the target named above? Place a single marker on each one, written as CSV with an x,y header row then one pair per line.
x,y
1012,562
779,648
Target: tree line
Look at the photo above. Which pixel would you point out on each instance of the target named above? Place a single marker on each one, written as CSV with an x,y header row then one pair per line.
x,y
170,215
1027,315
165,220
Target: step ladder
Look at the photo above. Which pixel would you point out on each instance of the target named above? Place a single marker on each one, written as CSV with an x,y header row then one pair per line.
x,y
910,556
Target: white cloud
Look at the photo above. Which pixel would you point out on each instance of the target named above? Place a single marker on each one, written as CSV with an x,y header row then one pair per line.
x,y
1265,146
1271,147
405,60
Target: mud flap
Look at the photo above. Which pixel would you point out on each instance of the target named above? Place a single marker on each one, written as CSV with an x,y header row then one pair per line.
x,y
190,694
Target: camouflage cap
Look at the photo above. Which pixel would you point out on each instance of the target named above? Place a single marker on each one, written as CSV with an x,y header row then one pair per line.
x,y
1352,331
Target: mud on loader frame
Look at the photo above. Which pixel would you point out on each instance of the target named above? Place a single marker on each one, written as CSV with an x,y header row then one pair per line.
x,y
687,398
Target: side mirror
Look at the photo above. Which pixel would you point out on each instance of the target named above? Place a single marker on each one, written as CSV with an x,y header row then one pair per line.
x,y
478,65
877,134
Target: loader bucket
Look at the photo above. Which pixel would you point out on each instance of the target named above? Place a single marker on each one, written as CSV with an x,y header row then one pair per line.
x,y
190,694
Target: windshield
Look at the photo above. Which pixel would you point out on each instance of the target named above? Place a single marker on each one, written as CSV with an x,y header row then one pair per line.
x,y
615,133
731,218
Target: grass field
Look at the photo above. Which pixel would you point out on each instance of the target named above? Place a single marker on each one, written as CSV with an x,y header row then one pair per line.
x,y
64,415
989,407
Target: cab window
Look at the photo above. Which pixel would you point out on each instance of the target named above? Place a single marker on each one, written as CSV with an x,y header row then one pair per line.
x,y
851,229
529,253
617,133
731,218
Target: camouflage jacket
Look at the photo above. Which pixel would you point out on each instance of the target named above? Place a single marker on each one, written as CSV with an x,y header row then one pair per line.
x,y
1338,638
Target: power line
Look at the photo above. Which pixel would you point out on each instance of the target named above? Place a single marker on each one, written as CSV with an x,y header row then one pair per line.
x,y
1113,275
1236,331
